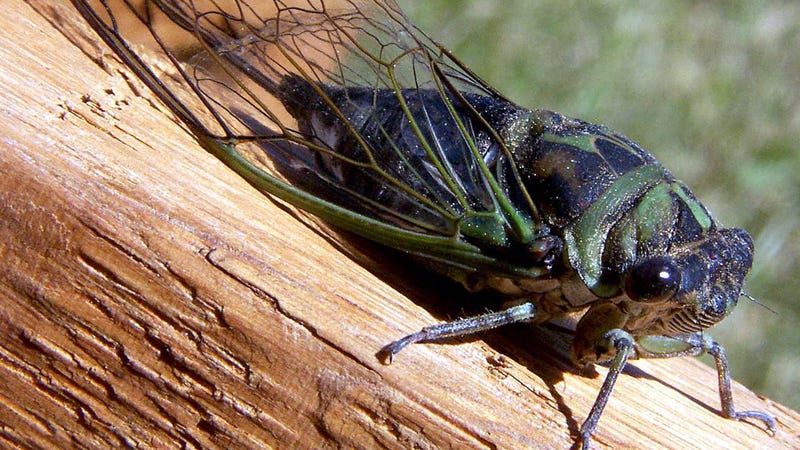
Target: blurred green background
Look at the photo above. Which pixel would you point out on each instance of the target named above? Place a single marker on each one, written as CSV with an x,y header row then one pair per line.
x,y
711,88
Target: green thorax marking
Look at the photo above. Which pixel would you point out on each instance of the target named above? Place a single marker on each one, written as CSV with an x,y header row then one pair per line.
x,y
587,142
700,214
586,239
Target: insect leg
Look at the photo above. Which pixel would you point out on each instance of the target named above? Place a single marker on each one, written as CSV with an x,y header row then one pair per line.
x,y
624,344
695,345
725,396
462,327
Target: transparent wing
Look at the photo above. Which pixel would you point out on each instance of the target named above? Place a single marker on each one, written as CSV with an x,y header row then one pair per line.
x,y
344,109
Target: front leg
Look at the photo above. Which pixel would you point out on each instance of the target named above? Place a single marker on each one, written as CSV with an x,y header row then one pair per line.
x,y
621,344
696,345
600,337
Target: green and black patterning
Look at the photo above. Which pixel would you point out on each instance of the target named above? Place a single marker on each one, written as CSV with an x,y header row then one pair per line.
x,y
348,111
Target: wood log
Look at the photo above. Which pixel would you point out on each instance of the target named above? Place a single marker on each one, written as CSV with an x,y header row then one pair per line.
x,y
153,299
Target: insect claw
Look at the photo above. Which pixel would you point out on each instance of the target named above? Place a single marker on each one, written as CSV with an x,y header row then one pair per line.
x,y
767,419
386,354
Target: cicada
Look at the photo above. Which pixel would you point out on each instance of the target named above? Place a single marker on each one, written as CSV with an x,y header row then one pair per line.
x,y
345,109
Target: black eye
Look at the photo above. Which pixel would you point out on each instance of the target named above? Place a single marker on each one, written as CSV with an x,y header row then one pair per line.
x,y
653,280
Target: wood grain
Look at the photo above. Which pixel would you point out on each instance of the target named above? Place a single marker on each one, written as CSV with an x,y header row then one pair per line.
x,y
152,299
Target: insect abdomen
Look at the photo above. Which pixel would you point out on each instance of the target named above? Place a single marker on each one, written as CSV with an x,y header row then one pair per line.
x,y
396,146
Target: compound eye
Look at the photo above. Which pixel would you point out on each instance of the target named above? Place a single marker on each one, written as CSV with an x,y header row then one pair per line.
x,y
653,280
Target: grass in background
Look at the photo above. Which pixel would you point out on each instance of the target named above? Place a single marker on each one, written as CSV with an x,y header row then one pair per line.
x,y
712,89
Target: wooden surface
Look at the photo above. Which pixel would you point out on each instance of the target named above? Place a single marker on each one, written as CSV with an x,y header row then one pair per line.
x,y
151,298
